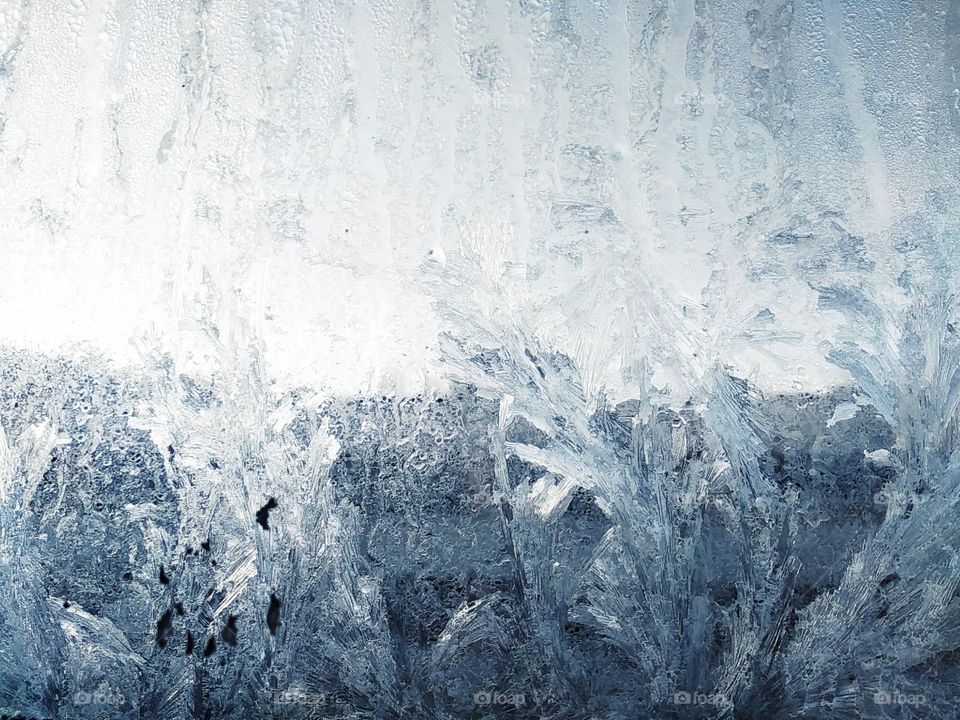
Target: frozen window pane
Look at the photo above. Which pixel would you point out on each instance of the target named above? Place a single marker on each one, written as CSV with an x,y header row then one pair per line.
x,y
506,359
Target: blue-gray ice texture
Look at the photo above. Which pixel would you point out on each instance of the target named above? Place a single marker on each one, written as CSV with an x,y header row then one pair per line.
x,y
688,447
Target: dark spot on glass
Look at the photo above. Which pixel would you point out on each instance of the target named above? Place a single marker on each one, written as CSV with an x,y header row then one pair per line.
x,y
273,614
230,631
164,628
263,514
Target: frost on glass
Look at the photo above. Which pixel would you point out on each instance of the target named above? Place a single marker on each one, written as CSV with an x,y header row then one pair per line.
x,y
566,360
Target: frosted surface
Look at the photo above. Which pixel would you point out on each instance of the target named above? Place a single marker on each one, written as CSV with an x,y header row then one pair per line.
x,y
311,156
461,359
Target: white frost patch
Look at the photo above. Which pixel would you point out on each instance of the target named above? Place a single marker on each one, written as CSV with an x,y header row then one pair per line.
x,y
879,458
550,497
843,411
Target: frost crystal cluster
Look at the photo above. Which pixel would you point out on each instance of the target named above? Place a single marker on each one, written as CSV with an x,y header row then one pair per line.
x,y
479,359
